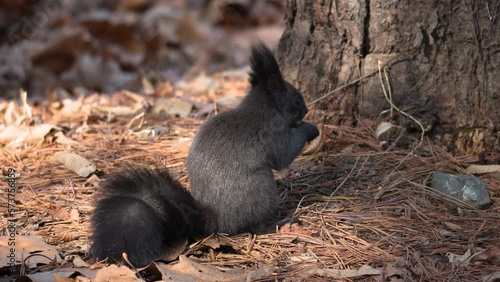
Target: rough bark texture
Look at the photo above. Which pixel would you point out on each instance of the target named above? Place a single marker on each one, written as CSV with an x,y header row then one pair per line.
x,y
443,61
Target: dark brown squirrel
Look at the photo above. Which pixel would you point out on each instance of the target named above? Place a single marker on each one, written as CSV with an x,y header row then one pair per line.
x,y
144,212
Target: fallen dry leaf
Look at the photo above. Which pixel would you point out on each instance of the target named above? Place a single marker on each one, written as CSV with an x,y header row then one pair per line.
x,y
115,273
34,134
79,262
172,107
152,132
62,49
213,242
10,132
74,274
453,226
490,254
344,273
118,110
62,139
76,163
201,85
393,273
482,169
188,270
67,235
493,277
460,260
304,258
294,228
383,127
23,247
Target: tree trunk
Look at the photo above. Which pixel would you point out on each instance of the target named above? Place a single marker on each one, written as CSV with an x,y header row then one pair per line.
x,y
442,58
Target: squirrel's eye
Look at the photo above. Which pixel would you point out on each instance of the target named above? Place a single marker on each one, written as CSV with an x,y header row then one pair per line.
x,y
297,101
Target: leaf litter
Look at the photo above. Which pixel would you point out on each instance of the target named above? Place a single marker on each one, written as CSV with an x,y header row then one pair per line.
x,y
365,210
360,218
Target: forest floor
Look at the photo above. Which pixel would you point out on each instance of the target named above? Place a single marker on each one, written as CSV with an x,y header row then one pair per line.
x,y
366,208
367,214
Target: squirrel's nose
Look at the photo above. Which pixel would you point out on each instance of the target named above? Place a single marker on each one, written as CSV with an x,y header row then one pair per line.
x,y
10,76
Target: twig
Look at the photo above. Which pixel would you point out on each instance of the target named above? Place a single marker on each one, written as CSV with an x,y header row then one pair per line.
x,y
125,258
389,100
388,97
390,63
403,130
342,183
340,88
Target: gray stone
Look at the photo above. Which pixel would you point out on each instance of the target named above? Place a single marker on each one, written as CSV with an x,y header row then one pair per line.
x,y
465,188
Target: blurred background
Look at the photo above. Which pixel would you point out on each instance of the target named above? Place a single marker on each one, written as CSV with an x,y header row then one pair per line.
x,y
61,48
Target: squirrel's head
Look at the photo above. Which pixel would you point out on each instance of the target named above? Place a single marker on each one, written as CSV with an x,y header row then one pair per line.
x,y
266,79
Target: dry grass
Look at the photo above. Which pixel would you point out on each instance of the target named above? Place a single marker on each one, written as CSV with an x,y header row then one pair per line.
x,y
358,205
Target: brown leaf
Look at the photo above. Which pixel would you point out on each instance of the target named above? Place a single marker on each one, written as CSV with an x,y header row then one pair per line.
x,y
61,278
213,242
74,274
115,273
294,228
189,270
64,236
164,89
118,28
383,127
10,133
303,258
490,254
391,270
35,134
24,246
453,226
172,107
344,273
76,163
201,85
132,4
62,50
62,139
482,169
79,262
60,214
74,214
495,276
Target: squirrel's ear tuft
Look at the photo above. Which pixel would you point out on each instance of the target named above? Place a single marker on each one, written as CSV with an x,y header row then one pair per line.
x,y
265,70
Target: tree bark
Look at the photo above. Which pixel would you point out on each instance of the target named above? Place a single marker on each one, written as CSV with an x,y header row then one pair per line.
x,y
442,58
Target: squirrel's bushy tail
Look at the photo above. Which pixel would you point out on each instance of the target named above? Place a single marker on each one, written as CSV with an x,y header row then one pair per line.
x,y
143,213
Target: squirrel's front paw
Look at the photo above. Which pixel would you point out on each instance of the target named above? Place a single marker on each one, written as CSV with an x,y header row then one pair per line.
x,y
311,131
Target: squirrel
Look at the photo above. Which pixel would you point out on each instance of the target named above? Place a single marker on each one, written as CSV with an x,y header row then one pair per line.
x,y
145,213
